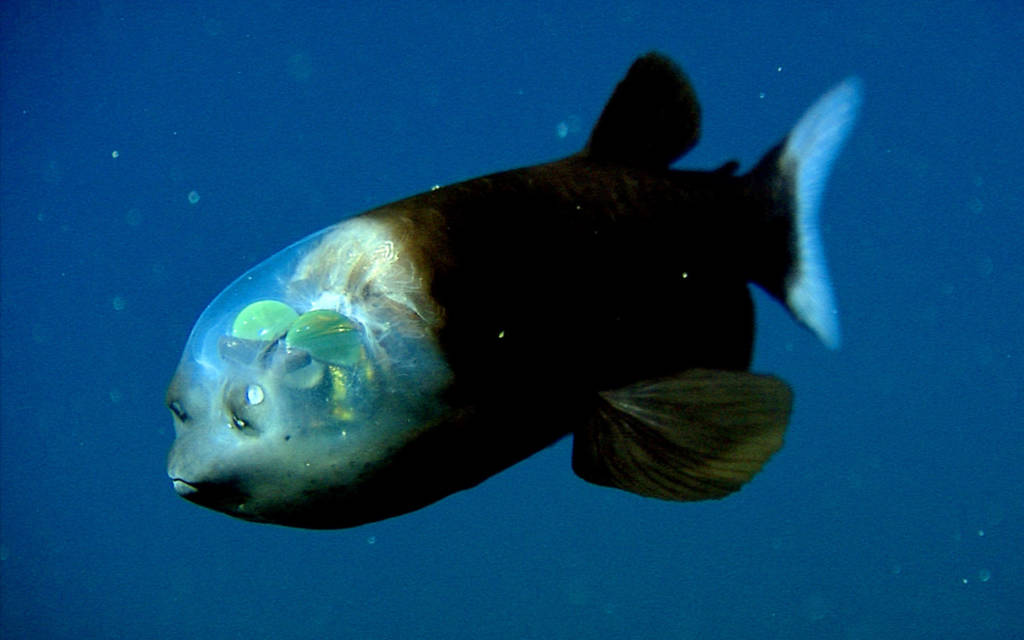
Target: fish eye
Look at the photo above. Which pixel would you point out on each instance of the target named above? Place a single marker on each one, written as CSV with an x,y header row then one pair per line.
x,y
327,336
263,328
263,320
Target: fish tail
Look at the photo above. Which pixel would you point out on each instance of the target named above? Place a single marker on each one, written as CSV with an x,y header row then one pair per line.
x,y
795,173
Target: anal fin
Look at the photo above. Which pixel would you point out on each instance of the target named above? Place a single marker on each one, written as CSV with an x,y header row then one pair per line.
x,y
699,435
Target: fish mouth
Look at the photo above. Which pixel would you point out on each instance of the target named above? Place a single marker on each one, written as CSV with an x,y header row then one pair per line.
x,y
226,498
183,487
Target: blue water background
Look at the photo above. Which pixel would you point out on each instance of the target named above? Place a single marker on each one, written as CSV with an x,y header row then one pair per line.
x,y
895,509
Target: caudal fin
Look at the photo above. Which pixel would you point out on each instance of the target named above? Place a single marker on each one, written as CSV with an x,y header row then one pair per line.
x,y
795,173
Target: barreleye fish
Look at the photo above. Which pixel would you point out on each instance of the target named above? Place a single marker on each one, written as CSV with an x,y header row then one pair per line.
x,y
419,348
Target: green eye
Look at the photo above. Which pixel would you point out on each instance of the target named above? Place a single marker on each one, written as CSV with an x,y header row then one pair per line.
x,y
328,336
263,320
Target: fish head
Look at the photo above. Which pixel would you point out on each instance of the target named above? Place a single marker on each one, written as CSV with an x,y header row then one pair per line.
x,y
302,378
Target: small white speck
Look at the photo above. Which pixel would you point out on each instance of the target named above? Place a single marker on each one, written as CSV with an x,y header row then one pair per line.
x,y
193,197
115,153
254,394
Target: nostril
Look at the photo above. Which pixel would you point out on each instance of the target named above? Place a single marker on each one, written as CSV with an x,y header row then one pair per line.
x,y
178,410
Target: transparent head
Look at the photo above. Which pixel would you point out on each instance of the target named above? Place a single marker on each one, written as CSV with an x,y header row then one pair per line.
x,y
302,375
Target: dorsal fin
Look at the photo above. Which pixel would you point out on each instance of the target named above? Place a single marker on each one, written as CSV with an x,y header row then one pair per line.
x,y
651,119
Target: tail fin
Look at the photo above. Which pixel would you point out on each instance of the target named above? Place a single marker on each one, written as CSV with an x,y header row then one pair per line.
x,y
795,173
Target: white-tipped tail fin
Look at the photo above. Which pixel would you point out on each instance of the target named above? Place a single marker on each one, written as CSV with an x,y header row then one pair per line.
x,y
806,159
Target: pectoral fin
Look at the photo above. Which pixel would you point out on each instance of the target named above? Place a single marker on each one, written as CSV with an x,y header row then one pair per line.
x,y
699,435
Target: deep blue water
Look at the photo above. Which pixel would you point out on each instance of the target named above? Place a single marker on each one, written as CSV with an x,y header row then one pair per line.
x,y
894,511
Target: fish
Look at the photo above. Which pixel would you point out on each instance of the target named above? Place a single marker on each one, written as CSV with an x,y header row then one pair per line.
x,y
417,349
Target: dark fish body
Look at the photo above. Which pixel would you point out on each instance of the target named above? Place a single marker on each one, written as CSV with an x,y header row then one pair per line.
x,y
419,348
